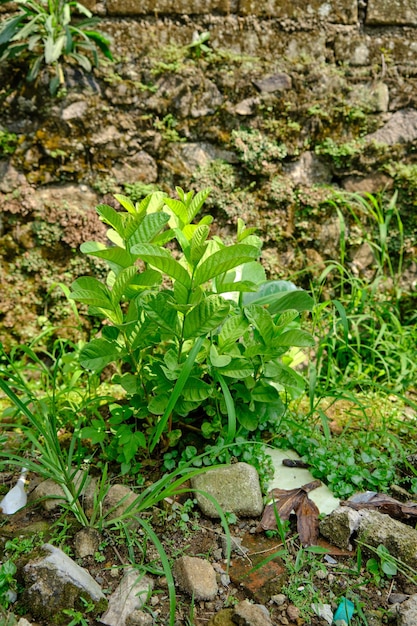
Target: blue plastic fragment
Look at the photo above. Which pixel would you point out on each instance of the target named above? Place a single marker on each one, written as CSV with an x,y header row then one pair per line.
x,y
344,611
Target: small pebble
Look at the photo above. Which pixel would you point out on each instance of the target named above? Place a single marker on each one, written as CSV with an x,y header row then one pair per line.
x,y
293,613
321,575
279,599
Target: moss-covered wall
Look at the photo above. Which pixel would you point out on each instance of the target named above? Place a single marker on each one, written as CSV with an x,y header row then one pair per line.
x,y
293,101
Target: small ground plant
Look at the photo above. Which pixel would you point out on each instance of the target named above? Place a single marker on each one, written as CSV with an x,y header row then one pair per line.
x,y
46,33
202,342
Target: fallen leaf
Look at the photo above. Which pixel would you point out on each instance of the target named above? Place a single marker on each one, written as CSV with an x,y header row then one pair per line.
x,y
307,522
285,501
382,503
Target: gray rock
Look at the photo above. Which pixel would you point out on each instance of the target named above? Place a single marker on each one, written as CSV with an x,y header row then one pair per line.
x,y
235,487
137,167
247,106
401,128
139,618
247,614
130,596
339,526
196,577
400,540
53,582
406,612
75,110
117,500
23,622
362,259
276,82
86,542
308,170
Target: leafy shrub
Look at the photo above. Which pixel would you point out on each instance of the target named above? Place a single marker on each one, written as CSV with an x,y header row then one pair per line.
x,y
45,33
201,340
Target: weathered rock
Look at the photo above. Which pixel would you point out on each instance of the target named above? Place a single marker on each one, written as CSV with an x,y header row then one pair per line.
x,y
222,618
308,170
247,614
23,622
236,489
137,167
406,612
131,594
401,128
196,577
339,526
86,542
51,495
117,500
381,12
53,582
275,82
400,540
247,106
139,618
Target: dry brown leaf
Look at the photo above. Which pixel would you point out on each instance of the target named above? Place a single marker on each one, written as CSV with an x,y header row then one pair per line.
x,y
287,500
307,522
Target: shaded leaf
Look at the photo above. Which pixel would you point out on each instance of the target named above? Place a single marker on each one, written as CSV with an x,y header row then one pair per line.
x,y
307,514
223,260
206,316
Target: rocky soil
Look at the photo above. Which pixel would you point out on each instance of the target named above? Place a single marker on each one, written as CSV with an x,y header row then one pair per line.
x,y
268,581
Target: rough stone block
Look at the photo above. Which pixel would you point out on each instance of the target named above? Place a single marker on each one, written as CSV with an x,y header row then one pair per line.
x,y
399,539
181,7
337,11
196,577
53,581
130,596
392,12
235,488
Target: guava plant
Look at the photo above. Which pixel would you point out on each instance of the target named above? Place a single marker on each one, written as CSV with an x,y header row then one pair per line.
x,y
201,340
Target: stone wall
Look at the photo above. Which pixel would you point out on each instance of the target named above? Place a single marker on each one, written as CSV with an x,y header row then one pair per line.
x,y
293,101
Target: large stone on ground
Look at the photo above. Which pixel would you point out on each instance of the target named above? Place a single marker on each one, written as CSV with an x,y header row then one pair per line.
x,y
236,489
339,526
406,612
196,577
131,594
247,614
53,582
398,538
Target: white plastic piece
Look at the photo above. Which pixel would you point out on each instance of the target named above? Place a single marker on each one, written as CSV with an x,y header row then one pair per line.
x,y
16,498
292,477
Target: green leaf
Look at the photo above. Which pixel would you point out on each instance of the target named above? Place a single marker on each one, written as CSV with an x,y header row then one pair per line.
x,y
247,418
198,243
196,204
121,283
206,316
238,368
224,260
126,203
233,328
91,291
299,338
162,260
98,353
111,217
218,360
148,228
280,295
159,309
261,320
196,390
117,257
262,392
